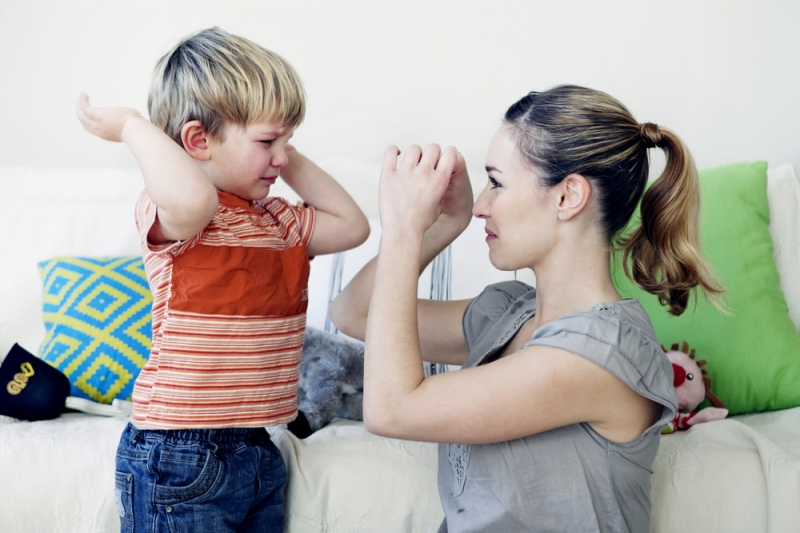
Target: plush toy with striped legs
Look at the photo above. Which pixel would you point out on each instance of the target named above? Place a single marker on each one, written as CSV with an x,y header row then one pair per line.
x,y
693,386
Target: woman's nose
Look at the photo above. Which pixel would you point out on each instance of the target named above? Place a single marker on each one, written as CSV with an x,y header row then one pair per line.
x,y
480,209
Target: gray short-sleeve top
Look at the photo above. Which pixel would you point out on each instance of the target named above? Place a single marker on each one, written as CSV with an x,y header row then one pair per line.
x,y
570,478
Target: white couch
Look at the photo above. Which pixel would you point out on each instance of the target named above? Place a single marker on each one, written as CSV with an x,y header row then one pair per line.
x,y
741,474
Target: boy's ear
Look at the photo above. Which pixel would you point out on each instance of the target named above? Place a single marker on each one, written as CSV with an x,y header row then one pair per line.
x,y
195,140
575,191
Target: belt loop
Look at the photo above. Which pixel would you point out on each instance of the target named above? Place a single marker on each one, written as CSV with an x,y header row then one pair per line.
x,y
134,434
212,441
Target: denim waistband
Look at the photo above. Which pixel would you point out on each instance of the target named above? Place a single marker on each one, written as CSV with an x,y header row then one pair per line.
x,y
220,436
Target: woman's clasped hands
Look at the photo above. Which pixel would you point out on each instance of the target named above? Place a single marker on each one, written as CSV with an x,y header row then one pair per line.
x,y
429,187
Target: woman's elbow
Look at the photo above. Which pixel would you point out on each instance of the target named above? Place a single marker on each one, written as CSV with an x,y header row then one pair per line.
x,y
371,425
361,231
346,322
378,423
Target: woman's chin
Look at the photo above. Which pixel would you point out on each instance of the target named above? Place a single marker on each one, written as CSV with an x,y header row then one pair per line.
x,y
499,264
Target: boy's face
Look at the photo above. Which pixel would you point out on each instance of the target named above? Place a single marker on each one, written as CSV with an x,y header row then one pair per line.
x,y
249,159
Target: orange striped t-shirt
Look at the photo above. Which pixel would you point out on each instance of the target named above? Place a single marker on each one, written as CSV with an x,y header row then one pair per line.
x,y
229,312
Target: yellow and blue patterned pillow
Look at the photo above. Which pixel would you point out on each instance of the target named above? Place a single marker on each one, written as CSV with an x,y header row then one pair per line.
x,y
97,317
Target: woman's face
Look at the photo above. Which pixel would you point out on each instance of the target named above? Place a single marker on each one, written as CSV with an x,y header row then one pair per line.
x,y
520,214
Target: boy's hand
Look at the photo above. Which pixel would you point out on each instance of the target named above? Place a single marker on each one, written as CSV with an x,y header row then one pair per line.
x,y
105,122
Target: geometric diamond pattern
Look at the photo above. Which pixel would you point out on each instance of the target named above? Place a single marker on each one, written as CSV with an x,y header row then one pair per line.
x,y
97,317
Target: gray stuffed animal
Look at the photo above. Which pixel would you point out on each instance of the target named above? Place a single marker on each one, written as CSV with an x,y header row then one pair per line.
x,y
331,381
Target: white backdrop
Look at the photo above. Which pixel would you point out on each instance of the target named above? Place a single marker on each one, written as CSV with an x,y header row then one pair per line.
x,y
725,74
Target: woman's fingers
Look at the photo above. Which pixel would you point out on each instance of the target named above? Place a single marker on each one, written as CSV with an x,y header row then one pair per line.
x,y
447,161
419,162
415,158
430,156
411,158
427,184
461,164
390,159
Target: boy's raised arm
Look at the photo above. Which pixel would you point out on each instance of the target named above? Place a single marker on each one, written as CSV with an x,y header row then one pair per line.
x,y
185,196
340,224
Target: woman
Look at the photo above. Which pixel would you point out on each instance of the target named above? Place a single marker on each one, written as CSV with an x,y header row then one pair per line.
x,y
554,420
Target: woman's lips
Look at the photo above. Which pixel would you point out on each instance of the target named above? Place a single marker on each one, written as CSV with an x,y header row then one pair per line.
x,y
490,235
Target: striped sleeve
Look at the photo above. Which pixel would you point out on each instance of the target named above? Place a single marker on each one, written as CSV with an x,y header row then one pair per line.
x,y
145,216
303,217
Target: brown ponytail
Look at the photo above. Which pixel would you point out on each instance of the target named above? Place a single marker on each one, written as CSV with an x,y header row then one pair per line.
x,y
574,130
664,251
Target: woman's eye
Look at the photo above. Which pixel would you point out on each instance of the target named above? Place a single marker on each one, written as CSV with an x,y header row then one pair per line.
x,y
494,183
267,142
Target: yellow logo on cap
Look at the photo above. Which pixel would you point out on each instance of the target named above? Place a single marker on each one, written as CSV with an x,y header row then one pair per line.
x,y
20,380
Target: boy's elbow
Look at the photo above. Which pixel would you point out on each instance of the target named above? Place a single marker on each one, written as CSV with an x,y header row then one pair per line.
x,y
209,203
359,230
187,217
357,233
201,202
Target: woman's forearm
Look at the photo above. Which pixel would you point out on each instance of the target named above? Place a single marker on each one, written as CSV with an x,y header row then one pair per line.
x,y
425,204
392,358
349,310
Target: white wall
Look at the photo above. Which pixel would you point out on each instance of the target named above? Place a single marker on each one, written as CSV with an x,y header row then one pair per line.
x,y
725,74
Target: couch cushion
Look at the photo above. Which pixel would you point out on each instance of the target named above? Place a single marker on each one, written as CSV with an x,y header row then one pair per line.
x,y
783,191
98,323
81,212
753,352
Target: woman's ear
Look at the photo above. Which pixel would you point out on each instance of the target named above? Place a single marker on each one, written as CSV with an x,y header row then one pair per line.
x,y
195,140
575,191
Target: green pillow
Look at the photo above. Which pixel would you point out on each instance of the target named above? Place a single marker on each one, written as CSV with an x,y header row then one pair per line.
x,y
97,317
753,353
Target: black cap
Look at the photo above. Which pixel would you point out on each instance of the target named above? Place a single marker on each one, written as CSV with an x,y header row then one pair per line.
x,y
31,389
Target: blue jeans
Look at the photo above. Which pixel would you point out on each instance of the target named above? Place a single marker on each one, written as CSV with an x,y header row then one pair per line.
x,y
199,480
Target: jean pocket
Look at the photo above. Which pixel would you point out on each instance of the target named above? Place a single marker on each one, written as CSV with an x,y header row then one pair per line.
x,y
185,475
123,490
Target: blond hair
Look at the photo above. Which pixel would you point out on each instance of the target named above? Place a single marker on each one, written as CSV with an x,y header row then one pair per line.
x,y
574,130
218,78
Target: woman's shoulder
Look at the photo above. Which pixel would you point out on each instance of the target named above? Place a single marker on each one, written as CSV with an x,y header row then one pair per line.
x,y
496,299
611,322
619,337
489,307
505,291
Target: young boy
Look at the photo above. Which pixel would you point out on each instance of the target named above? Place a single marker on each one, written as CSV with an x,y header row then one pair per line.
x,y
228,268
